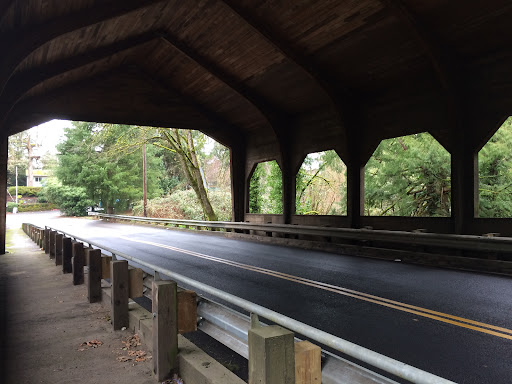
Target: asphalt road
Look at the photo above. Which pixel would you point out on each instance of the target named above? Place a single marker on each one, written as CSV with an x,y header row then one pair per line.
x,y
455,324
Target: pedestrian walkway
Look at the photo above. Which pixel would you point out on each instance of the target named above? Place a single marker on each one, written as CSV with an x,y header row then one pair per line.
x,y
49,331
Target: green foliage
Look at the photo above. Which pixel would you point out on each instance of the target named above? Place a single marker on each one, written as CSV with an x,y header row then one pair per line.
x,y
321,185
183,204
72,201
25,191
495,174
110,178
11,205
36,207
266,189
408,176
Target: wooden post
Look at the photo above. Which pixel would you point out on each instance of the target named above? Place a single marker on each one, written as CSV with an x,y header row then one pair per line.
x,y
94,276
308,364
187,311
78,263
52,243
41,238
67,255
105,267
165,328
119,294
271,355
135,277
47,240
58,248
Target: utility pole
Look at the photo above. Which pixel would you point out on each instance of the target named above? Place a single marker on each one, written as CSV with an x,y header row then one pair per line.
x,y
144,180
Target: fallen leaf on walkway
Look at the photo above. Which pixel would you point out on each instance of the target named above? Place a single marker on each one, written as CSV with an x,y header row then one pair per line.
x,y
123,359
93,343
132,342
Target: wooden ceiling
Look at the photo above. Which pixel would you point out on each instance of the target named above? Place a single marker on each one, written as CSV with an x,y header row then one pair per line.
x,y
298,74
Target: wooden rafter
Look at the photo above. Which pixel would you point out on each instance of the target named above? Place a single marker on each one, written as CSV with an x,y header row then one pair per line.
x,y
426,40
29,108
270,113
341,98
27,41
225,132
22,82
4,6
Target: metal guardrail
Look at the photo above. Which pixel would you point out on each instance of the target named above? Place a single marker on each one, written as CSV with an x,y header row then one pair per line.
x,y
348,348
461,242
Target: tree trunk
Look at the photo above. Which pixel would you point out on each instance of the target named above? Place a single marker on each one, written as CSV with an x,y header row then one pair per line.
x,y
188,159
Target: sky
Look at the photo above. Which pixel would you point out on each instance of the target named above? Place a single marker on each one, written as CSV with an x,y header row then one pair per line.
x,y
49,134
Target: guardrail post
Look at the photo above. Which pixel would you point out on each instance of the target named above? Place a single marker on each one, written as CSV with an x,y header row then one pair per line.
x,y
271,355
135,277
41,238
119,293
52,243
165,328
47,240
94,277
58,248
67,255
105,266
78,263
308,363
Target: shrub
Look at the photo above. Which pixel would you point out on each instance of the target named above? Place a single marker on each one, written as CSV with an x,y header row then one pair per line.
x,y
72,201
184,205
10,206
25,191
36,207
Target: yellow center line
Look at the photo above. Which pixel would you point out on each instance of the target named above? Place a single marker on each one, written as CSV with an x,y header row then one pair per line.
x,y
435,315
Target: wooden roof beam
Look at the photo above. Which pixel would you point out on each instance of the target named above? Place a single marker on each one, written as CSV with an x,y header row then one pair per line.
x,y
432,49
341,98
273,116
22,82
27,41
225,132
4,6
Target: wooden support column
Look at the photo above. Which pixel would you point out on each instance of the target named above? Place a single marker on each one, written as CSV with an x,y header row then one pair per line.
x,y
355,192
58,248
464,184
67,255
94,276
165,328
288,187
271,355
119,294
239,189
78,263
4,140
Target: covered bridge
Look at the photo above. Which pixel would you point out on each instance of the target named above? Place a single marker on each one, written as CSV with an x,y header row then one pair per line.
x,y
274,79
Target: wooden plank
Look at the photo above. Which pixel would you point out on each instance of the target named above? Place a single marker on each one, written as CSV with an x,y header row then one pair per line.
x,y
105,266
119,294
78,263
135,282
187,311
308,364
94,276
165,328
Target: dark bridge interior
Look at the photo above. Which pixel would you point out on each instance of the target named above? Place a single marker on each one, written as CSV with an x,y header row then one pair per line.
x,y
273,79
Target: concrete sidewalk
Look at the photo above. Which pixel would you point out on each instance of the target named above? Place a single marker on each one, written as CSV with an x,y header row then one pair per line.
x,y
44,320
